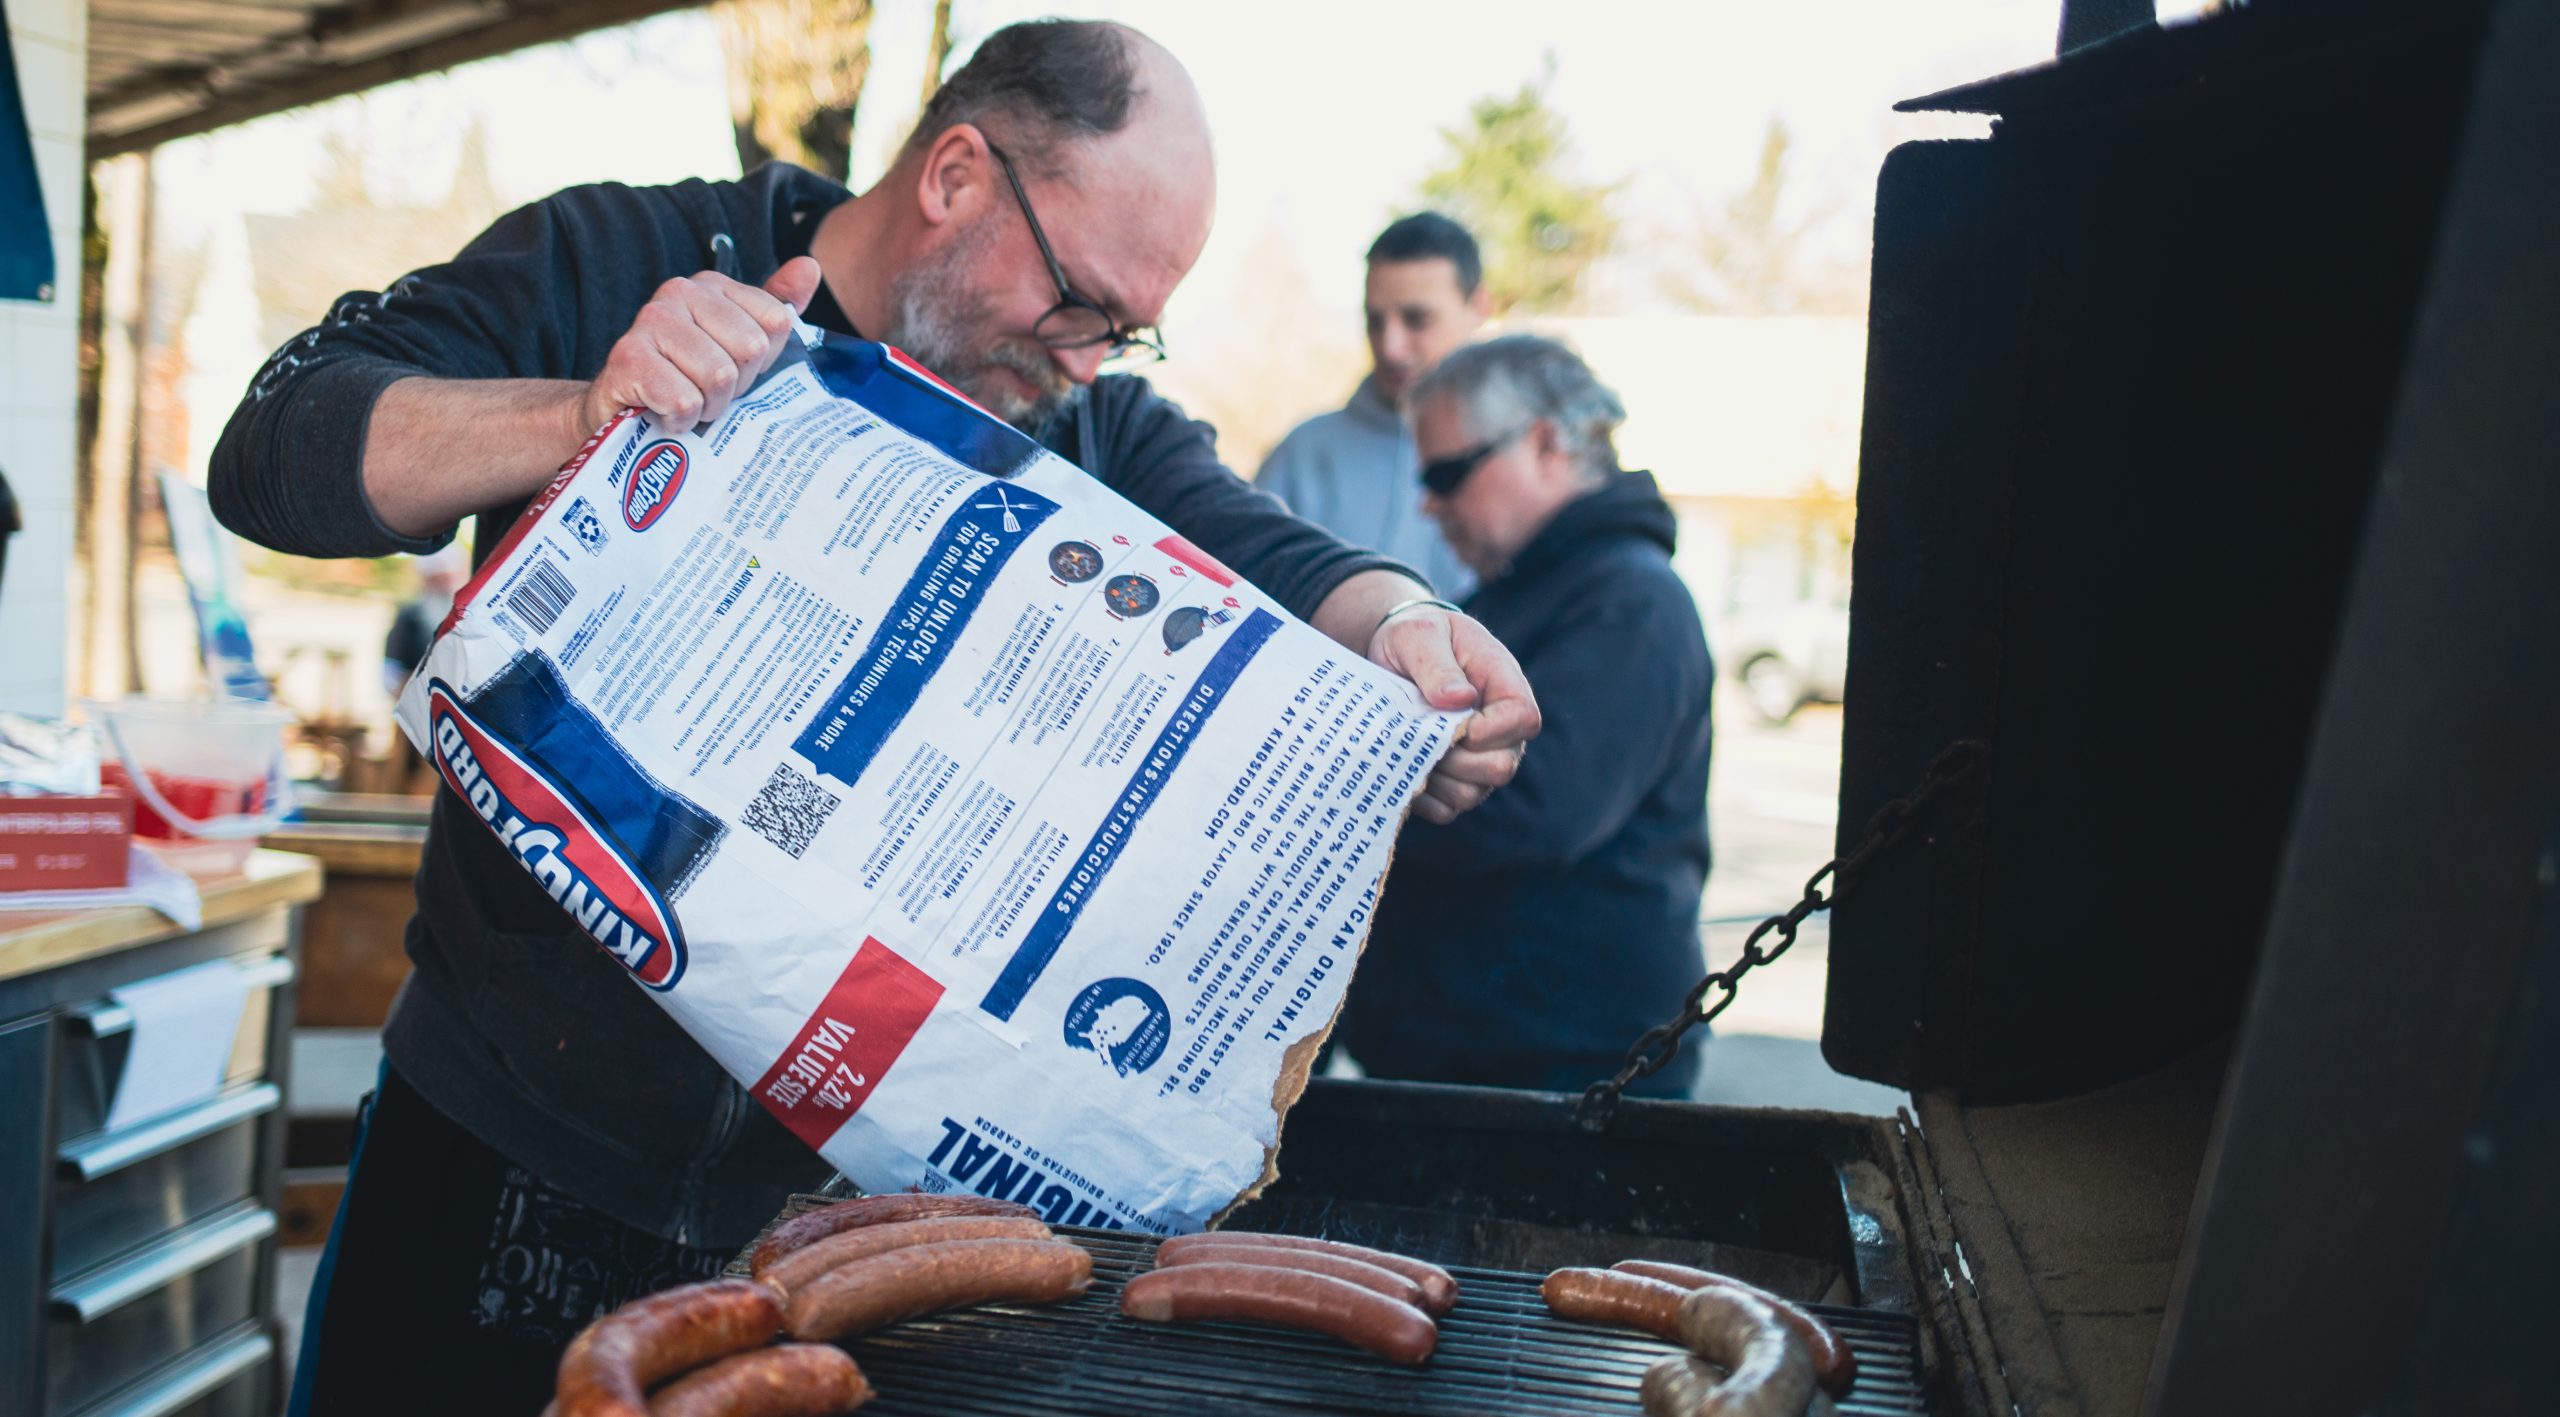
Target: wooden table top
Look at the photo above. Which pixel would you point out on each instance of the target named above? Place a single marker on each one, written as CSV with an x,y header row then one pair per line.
x,y
31,940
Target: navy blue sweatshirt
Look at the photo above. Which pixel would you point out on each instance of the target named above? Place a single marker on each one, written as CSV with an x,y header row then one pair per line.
x,y
1527,943
514,1024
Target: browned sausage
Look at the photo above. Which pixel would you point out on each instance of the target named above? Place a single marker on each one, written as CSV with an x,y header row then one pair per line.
x,y
801,1230
922,1279
1283,1298
794,1380
1834,1366
1439,1291
1368,1276
797,1268
1605,1296
609,1366
1768,1372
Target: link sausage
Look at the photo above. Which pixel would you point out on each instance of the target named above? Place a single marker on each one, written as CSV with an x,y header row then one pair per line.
x,y
1608,1296
794,1270
803,1230
794,1380
1439,1290
1768,1371
1283,1298
1368,1276
922,1279
608,1367
1834,1366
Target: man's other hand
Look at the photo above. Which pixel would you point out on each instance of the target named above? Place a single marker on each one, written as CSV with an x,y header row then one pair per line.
x,y
698,344
1457,663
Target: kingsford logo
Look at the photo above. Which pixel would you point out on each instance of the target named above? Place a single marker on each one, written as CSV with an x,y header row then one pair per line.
x,y
555,842
654,482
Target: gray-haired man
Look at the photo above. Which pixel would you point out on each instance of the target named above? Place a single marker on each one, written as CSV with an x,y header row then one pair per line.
x,y
1527,943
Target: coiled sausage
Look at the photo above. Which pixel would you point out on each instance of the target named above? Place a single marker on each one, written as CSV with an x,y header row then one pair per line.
x,y
1768,1372
1834,1365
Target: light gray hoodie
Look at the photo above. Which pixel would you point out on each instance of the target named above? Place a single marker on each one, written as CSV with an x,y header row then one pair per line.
x,y
1353,472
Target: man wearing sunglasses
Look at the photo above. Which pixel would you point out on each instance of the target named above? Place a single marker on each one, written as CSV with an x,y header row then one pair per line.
x,y
1527,943
545,1143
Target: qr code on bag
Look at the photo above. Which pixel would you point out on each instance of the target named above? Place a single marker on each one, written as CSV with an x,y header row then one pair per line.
x,y
584,524
789,809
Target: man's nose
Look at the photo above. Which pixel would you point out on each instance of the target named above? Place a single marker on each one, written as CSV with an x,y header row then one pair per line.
x,y
1395,343
1083,365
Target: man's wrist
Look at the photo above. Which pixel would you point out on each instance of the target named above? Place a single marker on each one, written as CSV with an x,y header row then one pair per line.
x,y
1407,607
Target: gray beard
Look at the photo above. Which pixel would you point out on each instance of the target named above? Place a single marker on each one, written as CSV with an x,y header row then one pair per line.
x,y
937,316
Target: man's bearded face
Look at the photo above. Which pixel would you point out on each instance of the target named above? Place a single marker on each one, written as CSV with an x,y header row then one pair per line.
x,y
940,313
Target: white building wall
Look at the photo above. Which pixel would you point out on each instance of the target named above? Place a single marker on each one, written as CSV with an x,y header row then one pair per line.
x,y
38,369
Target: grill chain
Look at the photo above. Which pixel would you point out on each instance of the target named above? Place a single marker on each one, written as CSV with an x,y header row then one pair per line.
x,y
1656,1046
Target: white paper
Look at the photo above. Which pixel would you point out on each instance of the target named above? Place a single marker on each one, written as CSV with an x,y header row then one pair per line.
x,y
184,1024
996,837
148,881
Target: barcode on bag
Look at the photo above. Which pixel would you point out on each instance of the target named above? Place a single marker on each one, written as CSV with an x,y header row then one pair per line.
x,y
539,598
789,810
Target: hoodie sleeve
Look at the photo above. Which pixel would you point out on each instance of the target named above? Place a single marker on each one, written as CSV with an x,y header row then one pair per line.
x,y
1623,689
288,471
1167,462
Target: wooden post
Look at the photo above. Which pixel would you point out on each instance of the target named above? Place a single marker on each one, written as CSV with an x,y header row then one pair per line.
x,y
106,660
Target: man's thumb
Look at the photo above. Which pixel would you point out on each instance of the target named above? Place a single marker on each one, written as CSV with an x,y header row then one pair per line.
x,y
796,282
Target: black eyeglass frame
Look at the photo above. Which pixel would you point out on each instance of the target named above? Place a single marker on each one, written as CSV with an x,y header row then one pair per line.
x,y
1444,476
1136,344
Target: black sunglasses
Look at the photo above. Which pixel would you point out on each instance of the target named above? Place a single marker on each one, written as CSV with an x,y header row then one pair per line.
x,y
1446,475
1075,322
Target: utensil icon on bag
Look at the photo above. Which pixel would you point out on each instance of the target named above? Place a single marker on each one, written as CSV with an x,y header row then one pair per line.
x,y
1002,503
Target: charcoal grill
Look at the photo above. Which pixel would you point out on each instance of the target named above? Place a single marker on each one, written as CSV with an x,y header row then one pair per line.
x,y
2222,364
1500,1352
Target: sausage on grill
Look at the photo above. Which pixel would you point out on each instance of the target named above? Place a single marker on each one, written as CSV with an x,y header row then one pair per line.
x,y
1834,1366
794,1380
826,1220
1439,1290
1361,1272
1283,1298
1768,1372
608,1367
871,1293
1608,1296
795,1270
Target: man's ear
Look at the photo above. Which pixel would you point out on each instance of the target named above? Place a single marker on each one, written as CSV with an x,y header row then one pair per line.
x,y
955,176
1481,302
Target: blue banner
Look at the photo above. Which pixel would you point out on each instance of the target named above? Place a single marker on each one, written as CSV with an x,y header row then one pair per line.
x,y
911,399
1180,731
921,626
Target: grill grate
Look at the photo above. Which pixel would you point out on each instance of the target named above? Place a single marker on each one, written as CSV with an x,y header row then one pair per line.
x,y
1500,1352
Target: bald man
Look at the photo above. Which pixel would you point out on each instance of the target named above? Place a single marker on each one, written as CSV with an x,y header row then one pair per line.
x,y
545,1143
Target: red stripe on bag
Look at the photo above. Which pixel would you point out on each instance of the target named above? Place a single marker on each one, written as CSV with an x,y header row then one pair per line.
x,y
851,1039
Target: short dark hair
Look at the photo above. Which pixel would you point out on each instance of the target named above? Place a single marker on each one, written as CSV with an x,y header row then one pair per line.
x,y
1043,83
1426,236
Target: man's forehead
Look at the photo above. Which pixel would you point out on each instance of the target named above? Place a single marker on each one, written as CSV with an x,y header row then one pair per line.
x,y
1424,279
1132,240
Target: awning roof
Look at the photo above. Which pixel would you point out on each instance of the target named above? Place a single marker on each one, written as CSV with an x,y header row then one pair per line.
x,y
164,69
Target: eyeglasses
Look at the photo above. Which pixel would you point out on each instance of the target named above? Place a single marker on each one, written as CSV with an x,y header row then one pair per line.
x,y
1445,476
1075,322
